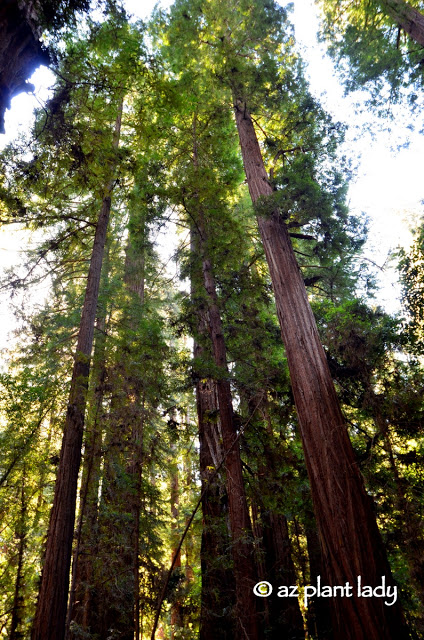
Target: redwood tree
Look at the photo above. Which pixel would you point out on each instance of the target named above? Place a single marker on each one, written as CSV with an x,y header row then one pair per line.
x,y
50,615
244,46
49,621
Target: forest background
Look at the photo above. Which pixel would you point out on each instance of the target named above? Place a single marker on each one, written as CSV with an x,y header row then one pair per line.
x,y
141,477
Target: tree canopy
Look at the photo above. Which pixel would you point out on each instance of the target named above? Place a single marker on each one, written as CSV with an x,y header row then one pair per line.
x,y
204,414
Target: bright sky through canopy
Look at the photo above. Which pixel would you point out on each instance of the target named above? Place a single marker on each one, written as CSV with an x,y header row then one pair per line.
x,y
387,186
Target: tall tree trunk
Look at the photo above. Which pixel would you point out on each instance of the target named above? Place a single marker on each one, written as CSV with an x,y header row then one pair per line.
x,y
240,525
351,543
410,19
114,608
241,531
50,617
18,598
176,620
217,596
112,603
86,531
134,279
136,469
217,600
319,613
284,616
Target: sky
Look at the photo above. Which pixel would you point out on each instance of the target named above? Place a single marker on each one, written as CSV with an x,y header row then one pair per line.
x,y
387,186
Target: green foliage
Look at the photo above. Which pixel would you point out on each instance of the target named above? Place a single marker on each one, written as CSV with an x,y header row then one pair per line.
x,y
179,159
412,279
372,50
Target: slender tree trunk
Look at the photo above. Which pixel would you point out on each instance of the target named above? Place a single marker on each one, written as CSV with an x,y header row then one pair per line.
x,y
18,598
217,600
241,531
176,620
410,19
115,605
86,531
284,616
50,617
135,281
351,543
136,472
319,613
217,597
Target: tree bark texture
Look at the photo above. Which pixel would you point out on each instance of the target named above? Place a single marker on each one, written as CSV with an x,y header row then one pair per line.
x,y
18,598
114,607
319,613
240,525
410,19
217,599
350,540
86,531
50,617
20,50
241,530
176,617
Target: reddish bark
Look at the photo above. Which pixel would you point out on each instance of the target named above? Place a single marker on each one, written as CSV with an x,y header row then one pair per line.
x,y
240,526
410,19
351,543
79,605
284,618
217,601
241,530
50,617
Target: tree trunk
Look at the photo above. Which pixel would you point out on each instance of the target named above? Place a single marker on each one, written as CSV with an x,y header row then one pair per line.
x,y
176,619
240,525
217,599
410,19
136,473
50,617
241,531
86,531
351,543
284,616
18,599
20,50
319,613
114,607
134,279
